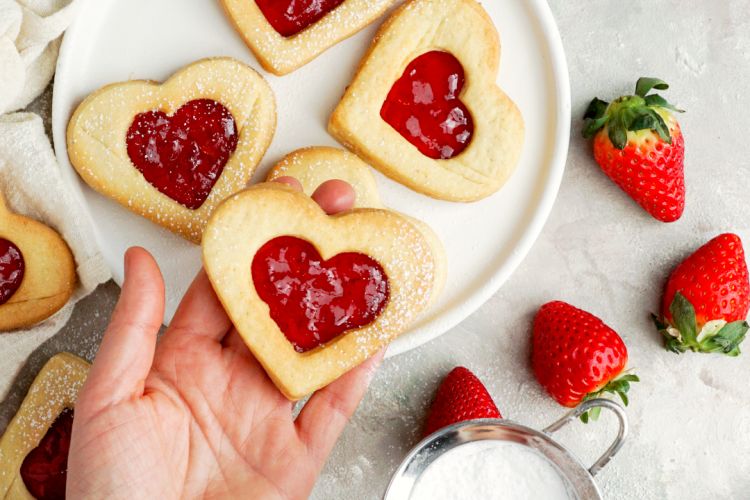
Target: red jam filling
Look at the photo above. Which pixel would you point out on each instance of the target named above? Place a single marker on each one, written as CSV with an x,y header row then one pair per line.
x,y
12,268
45,468
183,155
289,17
424,106
314,300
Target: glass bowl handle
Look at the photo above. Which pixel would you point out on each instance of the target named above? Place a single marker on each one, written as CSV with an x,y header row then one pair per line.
x,y
615,408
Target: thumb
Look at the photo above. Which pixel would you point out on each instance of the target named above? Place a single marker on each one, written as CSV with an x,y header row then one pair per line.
x,y
127,349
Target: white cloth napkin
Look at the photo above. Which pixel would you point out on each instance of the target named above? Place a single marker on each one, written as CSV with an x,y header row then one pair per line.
x,y
30,177
29,42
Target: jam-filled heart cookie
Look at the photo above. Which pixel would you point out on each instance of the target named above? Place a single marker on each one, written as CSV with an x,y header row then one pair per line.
x,y
172,152
37,271
424,107
34,448
287,34
315,295
315,165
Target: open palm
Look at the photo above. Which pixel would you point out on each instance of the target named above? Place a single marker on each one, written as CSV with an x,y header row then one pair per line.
x,y
195,416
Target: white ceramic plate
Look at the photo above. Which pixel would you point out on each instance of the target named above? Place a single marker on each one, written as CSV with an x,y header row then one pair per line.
x,y
113,40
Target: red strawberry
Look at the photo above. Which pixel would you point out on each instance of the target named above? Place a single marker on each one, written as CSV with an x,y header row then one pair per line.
x,y
707,298
461,396
576,357
639,145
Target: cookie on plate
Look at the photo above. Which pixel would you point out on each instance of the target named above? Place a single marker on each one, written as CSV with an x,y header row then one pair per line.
x,y
315,165
424,107
34,448
37,271
314,295
287,34
172,152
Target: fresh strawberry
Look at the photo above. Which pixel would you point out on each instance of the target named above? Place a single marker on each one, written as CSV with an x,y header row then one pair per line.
x,y
706,300
639,145
461,396
576,357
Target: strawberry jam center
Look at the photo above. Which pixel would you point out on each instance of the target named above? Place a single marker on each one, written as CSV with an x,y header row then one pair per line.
x,y
313,300
12,268
45,468
183,155
424,106
289,17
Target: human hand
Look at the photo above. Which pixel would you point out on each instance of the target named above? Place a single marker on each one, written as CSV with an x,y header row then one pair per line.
x,y
196,415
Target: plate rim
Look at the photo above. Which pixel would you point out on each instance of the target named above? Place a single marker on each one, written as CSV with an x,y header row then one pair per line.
x,y
456,313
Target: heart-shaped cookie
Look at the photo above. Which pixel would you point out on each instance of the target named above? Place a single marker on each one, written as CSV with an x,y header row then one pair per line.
x,y
266,251
424,107
172,152
315,165
34,447
287,34
37,271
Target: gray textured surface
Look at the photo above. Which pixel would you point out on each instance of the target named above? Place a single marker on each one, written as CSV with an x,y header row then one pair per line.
x,y
691,414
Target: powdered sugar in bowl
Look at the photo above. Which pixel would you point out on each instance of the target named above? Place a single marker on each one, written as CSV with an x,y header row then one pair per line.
x,y
491,459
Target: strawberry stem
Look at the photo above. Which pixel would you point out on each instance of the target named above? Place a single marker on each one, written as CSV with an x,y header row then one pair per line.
x,y
619,387
725,341
630,114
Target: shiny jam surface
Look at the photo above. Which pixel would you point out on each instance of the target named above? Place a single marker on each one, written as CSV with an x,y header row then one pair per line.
x,y
183,155
12,268
314,300
45,468
424,106
289,17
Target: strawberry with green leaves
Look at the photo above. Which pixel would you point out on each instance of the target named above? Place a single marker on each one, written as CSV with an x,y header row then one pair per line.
x,y
461,396
576,357
706,300
638,143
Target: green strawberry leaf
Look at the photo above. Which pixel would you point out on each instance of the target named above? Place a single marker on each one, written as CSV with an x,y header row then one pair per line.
x,y
591,127
645,85
660,325
673,345
619,387
683,314
618,134
670,343
655,100
624,397
597,109
727,340
661,127
643,121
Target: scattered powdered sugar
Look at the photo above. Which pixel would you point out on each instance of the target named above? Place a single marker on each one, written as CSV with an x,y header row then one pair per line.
x,y
491,470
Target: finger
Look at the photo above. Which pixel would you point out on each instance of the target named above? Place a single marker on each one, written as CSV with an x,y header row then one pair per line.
x,y
200,313
127,349
290,181
325,415
335,196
